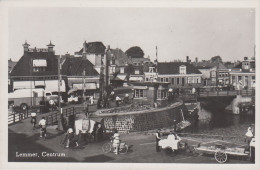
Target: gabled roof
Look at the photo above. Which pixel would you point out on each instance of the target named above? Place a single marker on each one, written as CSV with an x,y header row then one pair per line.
x,y
208,64
93,48
173,68
24,65
11,65
120,57
76,65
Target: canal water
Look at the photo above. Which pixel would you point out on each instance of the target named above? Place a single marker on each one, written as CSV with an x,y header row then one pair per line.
x,y
220,122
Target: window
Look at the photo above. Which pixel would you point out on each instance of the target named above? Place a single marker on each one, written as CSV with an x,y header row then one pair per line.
x,y
137,72
146,79
172,80
122,70
178,80
166,79
182,69
112,70
140,93
39,65
151,69
253,77
198,79
161,94
161,79
158,94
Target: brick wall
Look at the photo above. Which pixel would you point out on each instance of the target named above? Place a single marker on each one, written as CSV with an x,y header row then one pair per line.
x,y
144,120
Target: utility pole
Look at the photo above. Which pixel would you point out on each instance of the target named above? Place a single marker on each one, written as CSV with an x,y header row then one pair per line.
x,y
59,81
84,82
59,117
107,70
31,67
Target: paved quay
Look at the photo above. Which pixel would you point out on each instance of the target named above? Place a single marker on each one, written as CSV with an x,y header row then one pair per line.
x,y
23,139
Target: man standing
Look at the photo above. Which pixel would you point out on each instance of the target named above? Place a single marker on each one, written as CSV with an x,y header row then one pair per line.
x,y
33,119
42,125
157,138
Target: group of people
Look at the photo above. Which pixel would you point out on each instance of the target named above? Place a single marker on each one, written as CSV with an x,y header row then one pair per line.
x,y
104,102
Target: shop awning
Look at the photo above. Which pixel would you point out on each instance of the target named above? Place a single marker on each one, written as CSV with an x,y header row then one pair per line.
x,y
140,87
39,83
23,85
136,79
52,85
88,86
121,77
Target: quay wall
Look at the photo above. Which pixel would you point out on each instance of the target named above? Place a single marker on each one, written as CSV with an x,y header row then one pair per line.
x,y
144,120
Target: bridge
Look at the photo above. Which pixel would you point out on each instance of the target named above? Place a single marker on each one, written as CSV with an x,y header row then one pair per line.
x,y
215,98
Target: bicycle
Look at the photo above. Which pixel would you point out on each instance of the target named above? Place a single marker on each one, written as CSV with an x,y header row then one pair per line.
x,y
108,147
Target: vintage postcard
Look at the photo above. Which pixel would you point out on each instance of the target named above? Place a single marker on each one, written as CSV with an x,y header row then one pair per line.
x,y
148,84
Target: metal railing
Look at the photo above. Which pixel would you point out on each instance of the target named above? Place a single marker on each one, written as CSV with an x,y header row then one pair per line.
x,y
248,92
51,117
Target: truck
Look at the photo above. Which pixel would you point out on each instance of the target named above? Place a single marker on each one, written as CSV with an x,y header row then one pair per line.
x,y
30,97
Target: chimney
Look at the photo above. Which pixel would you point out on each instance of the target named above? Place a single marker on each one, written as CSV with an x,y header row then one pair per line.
x,y
50,47
187,59
245,58
196,59
26,46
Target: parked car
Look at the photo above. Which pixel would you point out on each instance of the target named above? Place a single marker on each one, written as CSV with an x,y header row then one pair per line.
x,y
30,97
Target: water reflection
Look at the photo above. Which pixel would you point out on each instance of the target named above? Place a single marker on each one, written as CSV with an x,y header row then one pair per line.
x,y
218,118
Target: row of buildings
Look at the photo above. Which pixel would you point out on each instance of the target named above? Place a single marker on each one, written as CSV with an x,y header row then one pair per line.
x,y
95,67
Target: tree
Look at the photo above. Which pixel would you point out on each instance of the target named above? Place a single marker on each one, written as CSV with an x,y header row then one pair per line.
x,y
135,52
216,59
129,70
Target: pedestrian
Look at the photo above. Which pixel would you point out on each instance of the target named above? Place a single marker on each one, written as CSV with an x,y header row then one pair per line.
x,y
33,119
157,139
249,136
86,109
91,99
116,142
43,125
94,132
118,99
71,139
193,91
99,133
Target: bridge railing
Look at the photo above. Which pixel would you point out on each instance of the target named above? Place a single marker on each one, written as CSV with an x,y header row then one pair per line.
x,y
248,92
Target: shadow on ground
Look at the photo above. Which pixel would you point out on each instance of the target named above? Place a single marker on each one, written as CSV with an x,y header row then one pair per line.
x,y
20,143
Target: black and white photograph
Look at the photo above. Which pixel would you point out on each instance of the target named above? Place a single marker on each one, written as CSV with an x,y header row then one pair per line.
x,y
154,83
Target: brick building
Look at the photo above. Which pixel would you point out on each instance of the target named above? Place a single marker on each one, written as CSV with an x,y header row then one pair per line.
x,y
177,74
37,68
243,75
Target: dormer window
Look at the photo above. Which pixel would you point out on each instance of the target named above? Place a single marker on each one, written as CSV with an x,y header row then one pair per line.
x,y
246,65
151,69
182,69
39,65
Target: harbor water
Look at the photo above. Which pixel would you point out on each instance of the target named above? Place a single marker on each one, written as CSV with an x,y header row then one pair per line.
x,y
220,122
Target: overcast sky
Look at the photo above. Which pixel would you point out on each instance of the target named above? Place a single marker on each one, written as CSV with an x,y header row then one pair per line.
x,y
178,32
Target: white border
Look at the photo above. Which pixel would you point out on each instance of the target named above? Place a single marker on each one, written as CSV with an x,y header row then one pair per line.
x,y
5,5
